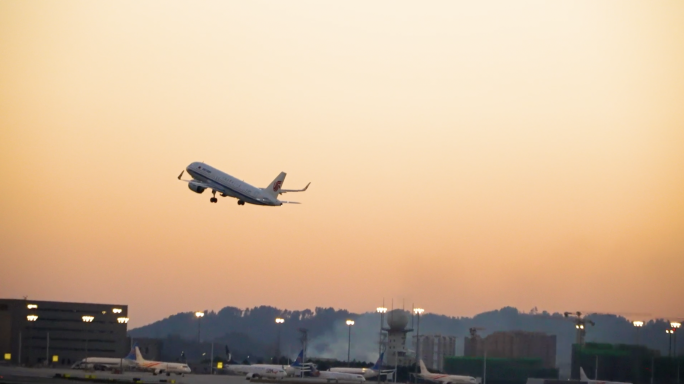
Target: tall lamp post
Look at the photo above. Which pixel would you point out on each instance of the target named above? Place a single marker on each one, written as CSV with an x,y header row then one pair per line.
x,y
349,325
381,311
638,324
418,312
199,315
87,319
279,321
669,332
31,319
675,327
121,320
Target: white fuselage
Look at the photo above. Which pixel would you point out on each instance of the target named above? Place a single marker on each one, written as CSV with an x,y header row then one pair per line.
x,y
229,185
452,379
158,367
365,372
338,376
259,370
108,362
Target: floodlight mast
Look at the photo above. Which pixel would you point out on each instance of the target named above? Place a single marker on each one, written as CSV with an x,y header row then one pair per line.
x,y
381,310
580,325
349,325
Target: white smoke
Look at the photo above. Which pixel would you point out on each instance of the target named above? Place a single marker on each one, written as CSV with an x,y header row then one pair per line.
x,y
365,334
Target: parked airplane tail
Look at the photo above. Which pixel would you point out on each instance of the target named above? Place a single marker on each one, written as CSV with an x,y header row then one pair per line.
x,y
131,354
300,359
423,368
138,355
274,188
583,376
378,364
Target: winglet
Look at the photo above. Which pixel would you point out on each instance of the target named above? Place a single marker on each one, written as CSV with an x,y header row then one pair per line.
x,y
181,175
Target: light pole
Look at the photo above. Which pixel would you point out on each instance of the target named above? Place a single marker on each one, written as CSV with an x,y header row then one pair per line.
x,y
87,319
418,312
278,320
30,318
349,325
199,315
121,320
638,324
381,311
675,327
669,332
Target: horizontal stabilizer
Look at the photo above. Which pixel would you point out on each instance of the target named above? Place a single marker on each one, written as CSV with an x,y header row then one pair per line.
x,y
295,190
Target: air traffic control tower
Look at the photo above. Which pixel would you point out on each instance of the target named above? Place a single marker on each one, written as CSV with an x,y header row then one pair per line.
x,y
396,352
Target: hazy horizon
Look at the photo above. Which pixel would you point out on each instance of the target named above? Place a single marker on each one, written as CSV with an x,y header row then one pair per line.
x,y
462,156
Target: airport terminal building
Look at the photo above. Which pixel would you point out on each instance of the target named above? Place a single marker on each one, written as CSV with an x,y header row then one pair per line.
x,y
32,331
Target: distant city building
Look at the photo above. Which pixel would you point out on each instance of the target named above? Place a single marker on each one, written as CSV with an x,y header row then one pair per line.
x,y
513,344
625,363
32,331
434,348
396,352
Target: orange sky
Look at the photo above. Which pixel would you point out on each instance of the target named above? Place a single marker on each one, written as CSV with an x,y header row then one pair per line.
x,y
463,155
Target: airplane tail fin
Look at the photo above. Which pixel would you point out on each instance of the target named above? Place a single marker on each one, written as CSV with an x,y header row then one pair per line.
x,y
378,364
423,368
131,354
138,355
583,376
273,189
300,359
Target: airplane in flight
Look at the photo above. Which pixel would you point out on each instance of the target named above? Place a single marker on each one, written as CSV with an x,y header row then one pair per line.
x,y
366,372
157,367
444,379
108,363
207,177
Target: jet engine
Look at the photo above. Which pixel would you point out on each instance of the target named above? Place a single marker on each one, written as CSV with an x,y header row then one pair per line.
x,y
196,187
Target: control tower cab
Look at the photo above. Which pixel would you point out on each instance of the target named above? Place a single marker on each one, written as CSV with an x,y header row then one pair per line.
x,y
396,353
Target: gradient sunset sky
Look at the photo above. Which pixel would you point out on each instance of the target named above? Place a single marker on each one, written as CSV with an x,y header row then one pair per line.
x,y
463,155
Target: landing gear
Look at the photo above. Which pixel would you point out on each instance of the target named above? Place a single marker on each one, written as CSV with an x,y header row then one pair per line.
x,y
213,199
240,202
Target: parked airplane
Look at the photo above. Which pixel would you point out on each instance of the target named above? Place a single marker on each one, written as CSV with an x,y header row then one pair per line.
x,y
442,378
330,376
584,378
107,363
157,367
365,372
272,371
208,177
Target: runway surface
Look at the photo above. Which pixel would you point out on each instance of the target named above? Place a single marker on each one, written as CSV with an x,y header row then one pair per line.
x,y
21,375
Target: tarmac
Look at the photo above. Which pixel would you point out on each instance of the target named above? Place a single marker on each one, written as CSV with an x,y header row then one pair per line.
x,y
22,375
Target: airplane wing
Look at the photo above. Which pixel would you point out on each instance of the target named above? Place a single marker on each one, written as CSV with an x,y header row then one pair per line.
x,y
289,202
294,190
203,184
